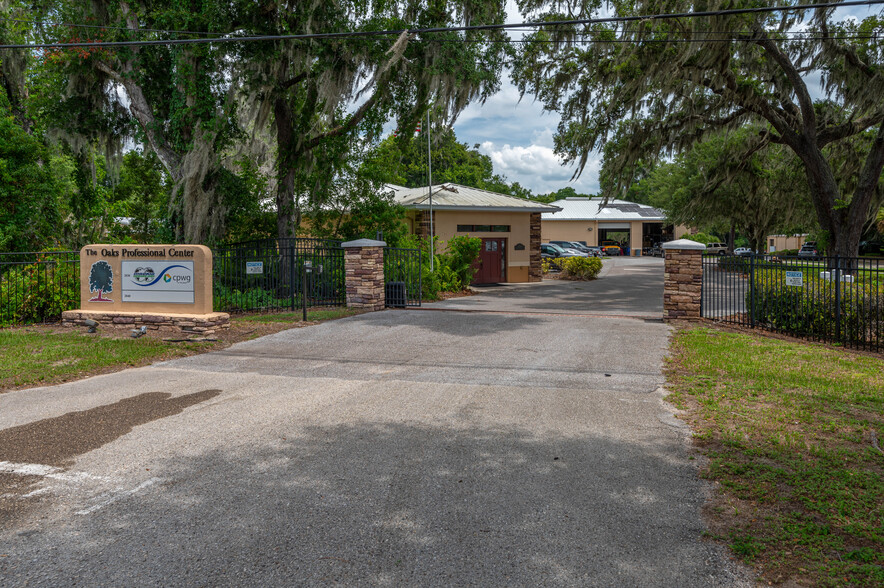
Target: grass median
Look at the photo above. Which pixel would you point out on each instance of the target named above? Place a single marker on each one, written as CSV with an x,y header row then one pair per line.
x,y
793,433
48,354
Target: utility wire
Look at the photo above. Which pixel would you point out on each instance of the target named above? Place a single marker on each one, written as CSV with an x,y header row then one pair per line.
x,y
464,28
103,27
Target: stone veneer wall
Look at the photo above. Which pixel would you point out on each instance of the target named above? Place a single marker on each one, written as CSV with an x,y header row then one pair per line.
x,y
682,284
364,275
197,325
422,222
535,270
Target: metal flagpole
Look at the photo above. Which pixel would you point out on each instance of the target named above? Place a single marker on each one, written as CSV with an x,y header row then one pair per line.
x,y
430,189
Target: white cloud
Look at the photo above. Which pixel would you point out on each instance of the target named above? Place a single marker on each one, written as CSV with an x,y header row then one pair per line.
x,y
537,167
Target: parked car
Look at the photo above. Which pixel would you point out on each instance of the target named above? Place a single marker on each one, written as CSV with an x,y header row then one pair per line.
x,y
566,245
550,250
655,251
809,250
610,248
716,249
595,251
743,251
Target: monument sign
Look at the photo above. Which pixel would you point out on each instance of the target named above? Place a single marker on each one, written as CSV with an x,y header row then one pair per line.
x,y
146,278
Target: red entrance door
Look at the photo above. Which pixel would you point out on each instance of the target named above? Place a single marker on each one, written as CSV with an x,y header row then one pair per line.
x,y
492,262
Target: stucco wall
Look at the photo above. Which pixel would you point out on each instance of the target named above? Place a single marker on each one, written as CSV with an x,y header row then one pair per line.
x,y
570,231
781,242
518,262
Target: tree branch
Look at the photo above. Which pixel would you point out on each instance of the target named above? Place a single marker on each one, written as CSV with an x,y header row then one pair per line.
x,y
294,81
844,130
808,114
396,52
868,180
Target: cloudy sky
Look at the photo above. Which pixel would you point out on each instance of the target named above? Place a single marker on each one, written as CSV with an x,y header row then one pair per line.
x,y
518,135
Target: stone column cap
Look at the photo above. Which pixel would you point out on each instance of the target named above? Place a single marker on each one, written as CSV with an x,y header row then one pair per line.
x,y
364,243
684,244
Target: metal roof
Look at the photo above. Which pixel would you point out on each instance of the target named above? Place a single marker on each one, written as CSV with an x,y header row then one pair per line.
x,y
591,209
457,197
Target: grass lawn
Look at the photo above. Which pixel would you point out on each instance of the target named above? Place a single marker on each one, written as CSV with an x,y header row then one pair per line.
x,y
790,430
46,354
30,356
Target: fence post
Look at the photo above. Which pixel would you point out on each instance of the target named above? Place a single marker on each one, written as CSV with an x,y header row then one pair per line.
x,y
752,290
292,274
364,274
837,298
683,279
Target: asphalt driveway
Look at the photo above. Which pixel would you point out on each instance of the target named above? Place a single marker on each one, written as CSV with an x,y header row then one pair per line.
x,y
393,448
628,286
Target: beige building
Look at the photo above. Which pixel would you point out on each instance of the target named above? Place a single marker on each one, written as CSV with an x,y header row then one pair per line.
x,y
595,222
509,227
782,242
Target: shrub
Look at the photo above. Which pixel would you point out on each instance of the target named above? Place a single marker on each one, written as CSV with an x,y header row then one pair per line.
x,y
227,299
810,309
581,268
39,292
734,263
460,259
551,264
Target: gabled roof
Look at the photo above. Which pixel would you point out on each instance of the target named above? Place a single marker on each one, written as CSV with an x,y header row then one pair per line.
x,y
581,208
457,197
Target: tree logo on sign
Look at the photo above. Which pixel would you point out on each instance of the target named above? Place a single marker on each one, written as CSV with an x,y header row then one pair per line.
x,y
101,280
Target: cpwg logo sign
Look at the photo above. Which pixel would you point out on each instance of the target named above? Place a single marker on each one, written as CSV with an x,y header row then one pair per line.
x,y
165,281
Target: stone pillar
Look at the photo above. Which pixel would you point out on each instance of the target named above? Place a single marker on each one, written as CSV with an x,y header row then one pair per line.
x,y
364,274
535,269
682,280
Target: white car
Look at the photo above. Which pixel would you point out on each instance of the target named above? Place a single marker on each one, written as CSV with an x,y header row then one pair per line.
x,y
743,251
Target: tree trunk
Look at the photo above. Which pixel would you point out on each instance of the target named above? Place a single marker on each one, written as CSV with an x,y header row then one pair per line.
x,y
288,215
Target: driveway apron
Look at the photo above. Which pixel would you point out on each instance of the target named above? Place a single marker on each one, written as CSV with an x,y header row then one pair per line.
x,y
628,286
413,448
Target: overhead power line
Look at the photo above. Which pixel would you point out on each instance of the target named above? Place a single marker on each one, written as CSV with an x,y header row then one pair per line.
x,y
49,23
431,30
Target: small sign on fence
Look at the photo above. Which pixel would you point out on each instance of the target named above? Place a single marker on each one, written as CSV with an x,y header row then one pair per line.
x,y
254,267
794,278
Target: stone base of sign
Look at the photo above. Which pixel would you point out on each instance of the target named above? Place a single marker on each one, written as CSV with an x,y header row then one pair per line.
x,y
196,325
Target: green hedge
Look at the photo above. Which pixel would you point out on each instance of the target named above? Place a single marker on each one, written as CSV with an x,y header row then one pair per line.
x,y
810,309
38,292
734,263
581,268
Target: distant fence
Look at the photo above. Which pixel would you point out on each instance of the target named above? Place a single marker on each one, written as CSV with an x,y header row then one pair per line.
x,y
831,299
278,274
37,287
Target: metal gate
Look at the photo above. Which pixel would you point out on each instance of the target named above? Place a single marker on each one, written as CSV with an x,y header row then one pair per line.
x,y
402,277
278,274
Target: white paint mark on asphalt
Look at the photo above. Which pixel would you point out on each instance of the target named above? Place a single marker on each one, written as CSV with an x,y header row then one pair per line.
x,y
45,471
37,492
112,497
28,469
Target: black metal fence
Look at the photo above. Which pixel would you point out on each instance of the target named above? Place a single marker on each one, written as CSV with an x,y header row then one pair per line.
x,y
37,287
402,277
273,275
832,299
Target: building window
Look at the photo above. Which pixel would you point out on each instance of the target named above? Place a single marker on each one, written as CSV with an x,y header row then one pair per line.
x,y
483,228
